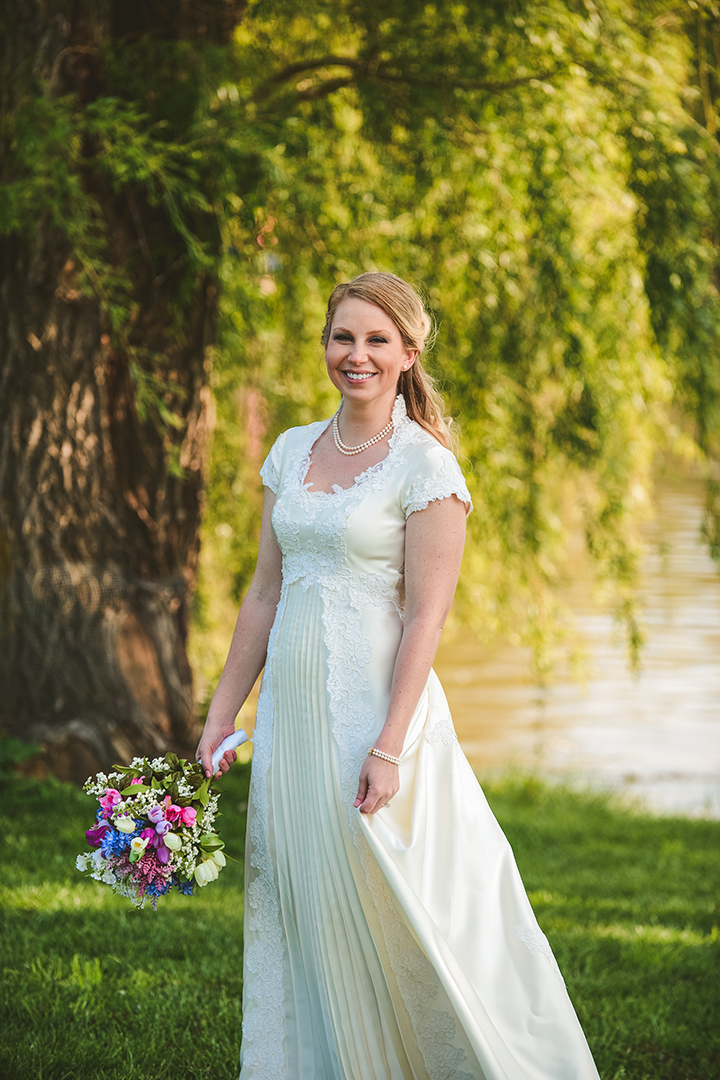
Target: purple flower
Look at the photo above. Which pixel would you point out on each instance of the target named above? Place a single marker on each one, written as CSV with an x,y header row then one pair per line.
x,y
94,836
156,839
156,814
163,827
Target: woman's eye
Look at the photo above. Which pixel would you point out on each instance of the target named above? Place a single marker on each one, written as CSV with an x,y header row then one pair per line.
x,y
341,337
379,341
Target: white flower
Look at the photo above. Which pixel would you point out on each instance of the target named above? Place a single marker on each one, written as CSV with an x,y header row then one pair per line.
x,y
217,856
125,824
172,841
206,871
138,845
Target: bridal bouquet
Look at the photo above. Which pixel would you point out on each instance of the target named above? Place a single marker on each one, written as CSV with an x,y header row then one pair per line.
x,y
153,829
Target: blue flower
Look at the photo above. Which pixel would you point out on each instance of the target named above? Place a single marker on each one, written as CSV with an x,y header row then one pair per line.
x,y
114,843
153,889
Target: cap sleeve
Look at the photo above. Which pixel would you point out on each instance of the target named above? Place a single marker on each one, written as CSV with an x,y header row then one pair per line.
x,y
271,467
435,474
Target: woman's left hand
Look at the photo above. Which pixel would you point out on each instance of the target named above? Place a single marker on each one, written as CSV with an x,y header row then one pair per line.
x,y
379,781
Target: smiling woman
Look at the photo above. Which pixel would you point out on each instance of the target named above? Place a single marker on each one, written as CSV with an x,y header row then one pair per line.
x,y
387,932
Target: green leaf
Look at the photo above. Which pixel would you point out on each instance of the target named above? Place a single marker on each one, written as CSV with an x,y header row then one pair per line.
x,y
135,789
211,842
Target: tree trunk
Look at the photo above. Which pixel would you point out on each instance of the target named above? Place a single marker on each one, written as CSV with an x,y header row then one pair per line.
x,y
98,533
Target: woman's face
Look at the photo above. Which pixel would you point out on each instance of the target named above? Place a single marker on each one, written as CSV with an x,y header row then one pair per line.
x,y
365,353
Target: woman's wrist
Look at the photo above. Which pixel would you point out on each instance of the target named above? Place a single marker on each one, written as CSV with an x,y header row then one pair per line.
x,y
390,742
218,723
394,759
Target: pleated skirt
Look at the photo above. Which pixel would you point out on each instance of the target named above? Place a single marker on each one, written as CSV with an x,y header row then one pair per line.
x,y
396,947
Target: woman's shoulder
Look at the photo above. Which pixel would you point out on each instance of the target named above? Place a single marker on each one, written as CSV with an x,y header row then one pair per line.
x,y
294,437
425,448
288,445
432,472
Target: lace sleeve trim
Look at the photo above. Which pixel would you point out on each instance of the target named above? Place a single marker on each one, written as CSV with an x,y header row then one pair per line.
x,y
426,490
269,474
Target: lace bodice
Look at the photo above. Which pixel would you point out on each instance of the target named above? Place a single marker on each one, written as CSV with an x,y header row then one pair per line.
x,y
355,537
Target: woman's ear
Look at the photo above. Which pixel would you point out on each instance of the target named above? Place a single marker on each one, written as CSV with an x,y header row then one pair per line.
x,y
409,360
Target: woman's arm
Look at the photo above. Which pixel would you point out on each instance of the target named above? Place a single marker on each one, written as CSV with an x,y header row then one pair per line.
x,y
434,540
248,648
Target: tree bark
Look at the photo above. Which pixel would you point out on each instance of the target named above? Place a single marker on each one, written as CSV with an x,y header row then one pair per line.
x,y
99,536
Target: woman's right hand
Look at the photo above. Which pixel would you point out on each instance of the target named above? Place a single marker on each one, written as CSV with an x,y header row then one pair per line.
x,y
213,734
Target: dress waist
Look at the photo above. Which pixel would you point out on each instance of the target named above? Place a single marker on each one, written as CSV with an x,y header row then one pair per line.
x,y
340,585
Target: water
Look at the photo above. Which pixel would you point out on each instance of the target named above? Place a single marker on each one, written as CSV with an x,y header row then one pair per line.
x,y
656,734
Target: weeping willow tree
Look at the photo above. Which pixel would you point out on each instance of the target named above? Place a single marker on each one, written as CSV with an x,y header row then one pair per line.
x,y
184,184
557,205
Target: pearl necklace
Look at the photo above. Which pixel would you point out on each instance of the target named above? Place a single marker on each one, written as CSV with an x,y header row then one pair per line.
x,y
350,450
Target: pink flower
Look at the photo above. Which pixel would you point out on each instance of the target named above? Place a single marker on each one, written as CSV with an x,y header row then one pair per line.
x,y
137,780
110,800
188,815
147,834
147,870
172,812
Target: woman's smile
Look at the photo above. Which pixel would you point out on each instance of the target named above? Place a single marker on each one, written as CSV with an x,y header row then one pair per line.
x,y
359,376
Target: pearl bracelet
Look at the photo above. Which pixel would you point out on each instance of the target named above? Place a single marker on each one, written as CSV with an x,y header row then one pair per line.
x,y
384,756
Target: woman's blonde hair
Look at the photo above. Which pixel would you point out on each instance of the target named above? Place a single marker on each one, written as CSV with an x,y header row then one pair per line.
x,y
403,305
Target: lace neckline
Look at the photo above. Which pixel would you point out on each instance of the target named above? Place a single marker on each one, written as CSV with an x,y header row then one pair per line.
x,y
400,420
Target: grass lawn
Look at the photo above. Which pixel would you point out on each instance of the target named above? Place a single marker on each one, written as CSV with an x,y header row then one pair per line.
x,y
92,988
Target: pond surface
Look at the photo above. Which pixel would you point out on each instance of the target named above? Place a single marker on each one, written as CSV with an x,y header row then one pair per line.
x,y
656,734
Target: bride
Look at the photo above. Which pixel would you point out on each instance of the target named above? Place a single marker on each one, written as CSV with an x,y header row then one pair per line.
x,y
387,932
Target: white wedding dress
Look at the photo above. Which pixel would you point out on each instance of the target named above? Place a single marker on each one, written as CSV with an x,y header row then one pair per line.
x,y
400,946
